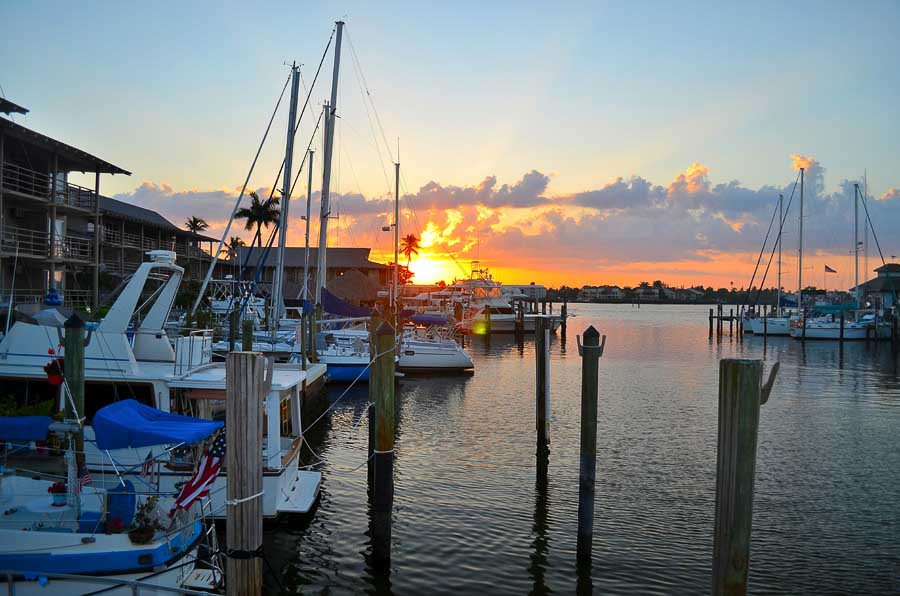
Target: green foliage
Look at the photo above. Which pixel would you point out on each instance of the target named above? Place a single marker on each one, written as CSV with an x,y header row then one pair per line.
x,y
10,407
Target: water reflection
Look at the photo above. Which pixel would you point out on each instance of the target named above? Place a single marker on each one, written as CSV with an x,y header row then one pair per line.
x,y
465,454
540,542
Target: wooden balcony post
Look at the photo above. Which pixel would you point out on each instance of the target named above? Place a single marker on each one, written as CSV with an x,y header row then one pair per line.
x,y
95,299
51,283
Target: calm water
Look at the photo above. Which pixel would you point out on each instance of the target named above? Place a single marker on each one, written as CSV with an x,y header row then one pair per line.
x,y
468,517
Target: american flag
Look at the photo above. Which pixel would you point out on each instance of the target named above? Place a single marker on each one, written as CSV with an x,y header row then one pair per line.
x,y
147,468
81,483
829,269
198,486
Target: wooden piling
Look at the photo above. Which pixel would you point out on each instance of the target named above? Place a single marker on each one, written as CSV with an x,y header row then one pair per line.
x,y
564,314
304,340
520,321
731,321
542,386
842,325
73,365
247,335
487,321
710,321
543,307
740,395
381,393
587,469
245,392
233,318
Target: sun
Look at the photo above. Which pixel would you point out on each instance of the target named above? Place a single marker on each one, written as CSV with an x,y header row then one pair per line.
x,y
430,268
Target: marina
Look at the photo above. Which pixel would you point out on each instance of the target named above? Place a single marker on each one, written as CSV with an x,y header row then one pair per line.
x,y
332,380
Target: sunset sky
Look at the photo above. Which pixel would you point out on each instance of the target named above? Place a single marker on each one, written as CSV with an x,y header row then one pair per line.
x,y
564,143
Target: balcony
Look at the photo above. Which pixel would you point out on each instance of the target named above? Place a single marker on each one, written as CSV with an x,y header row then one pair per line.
x,y
38,185
71,298
35,243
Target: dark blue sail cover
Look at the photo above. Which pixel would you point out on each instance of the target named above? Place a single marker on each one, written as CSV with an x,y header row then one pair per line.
x,y
24,428
426,320
335,306
128,423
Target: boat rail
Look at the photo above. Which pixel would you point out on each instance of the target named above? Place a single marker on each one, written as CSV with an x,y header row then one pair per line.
x,y
135,585
193,350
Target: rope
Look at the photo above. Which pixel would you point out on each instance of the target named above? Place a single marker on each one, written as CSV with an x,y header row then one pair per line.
x,y
774,246
232,502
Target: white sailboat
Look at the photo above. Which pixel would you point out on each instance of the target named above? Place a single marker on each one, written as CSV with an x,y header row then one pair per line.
x,y
68,536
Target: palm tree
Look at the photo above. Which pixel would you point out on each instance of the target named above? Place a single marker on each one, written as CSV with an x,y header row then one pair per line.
x,y
409,246
233,248
196,224
260,214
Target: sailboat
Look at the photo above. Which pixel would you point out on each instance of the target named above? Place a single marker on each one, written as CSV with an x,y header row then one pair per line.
x,y
829,327
72,536
781,323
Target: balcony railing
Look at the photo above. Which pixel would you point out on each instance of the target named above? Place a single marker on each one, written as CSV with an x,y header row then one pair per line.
x,y
36,243
71,298
112,236
38,184
71,247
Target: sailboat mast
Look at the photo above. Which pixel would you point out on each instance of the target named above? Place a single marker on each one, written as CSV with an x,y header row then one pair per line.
x,y
856,243
780,230
278,282
305,295
800,264
330,111
395,296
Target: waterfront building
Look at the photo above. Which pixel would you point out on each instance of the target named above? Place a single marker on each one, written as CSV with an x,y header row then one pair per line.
x,y
367,277
68,237
882,290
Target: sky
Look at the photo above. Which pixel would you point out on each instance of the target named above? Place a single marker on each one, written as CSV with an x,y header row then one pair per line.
x,y
578,143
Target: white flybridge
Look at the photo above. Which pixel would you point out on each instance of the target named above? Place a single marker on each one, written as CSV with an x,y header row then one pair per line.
x,y
173,375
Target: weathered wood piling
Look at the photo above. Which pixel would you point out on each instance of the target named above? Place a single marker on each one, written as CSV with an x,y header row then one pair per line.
x,y
248,375
381,393
587,467
233,322
741,393
73,373
542,386
247,335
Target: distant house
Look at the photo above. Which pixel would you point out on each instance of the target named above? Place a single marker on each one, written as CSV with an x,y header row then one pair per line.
x,y
883,289
689,294
600,293
648,294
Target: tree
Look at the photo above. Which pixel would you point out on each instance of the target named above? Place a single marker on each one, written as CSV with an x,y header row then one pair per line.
x,y
260,214
196,224
233,248
409,246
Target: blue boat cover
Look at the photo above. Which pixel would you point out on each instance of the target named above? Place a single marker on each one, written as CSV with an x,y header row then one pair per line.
x,y
128,423
24,428
428,320
334,305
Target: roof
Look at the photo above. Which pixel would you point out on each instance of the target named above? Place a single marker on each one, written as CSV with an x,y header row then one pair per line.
x,y
889,268
295,256
145,216
881,285
8,107
71,159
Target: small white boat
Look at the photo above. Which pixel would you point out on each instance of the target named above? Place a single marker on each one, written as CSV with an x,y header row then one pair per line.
x,y
431,350
826,329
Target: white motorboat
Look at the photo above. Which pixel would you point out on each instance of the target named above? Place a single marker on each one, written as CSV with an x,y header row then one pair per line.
x,y
171,375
